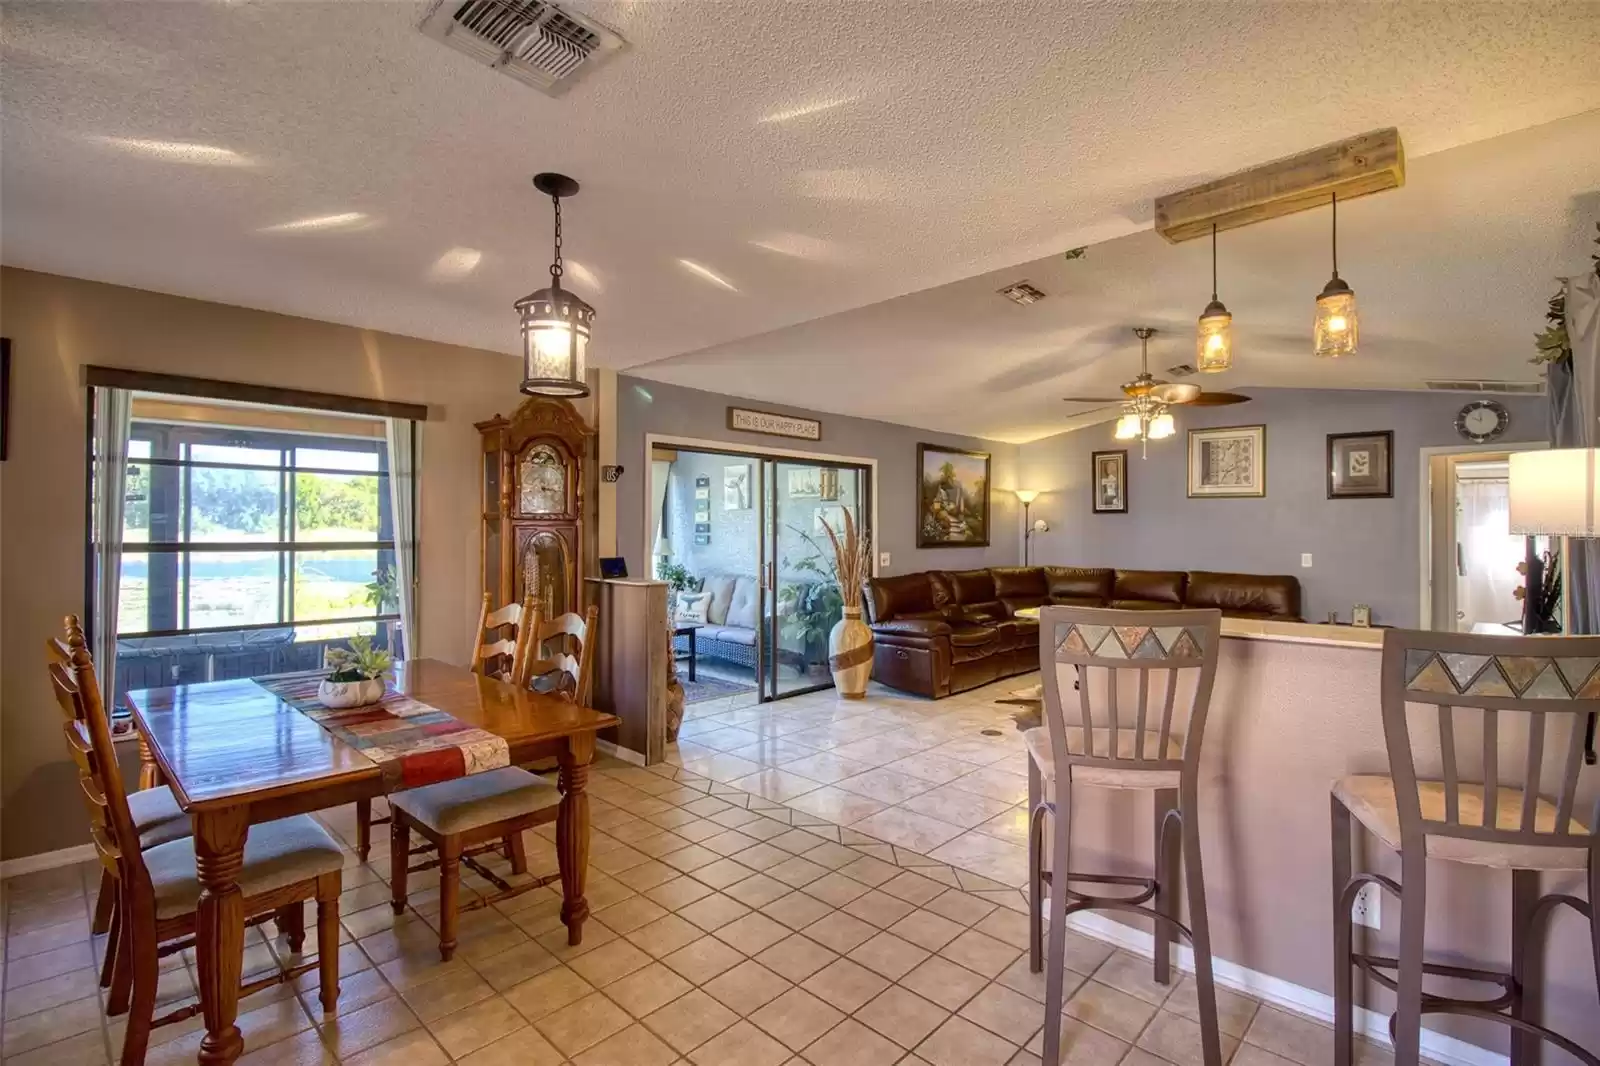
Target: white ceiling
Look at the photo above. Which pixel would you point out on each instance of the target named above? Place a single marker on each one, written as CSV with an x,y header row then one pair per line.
x,y
943,140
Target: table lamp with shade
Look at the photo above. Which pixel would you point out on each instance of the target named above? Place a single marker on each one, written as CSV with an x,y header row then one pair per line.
x,y
663,548
1554,493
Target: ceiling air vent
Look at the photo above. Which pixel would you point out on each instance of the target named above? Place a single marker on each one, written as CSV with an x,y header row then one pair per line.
x,y
1182,370
1502,388
1022,293
539,43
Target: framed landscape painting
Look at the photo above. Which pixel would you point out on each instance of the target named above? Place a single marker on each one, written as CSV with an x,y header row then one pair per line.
x,y
1361,465
1230,461
952,497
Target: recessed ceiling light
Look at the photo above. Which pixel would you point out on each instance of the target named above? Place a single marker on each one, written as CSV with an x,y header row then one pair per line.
x,y
456,263
708,274
805,109
208,155
345,220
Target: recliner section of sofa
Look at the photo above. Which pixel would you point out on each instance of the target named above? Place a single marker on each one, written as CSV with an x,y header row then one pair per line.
x,y
940,632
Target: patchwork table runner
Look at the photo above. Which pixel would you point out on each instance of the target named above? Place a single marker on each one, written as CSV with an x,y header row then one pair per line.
x,y
412,743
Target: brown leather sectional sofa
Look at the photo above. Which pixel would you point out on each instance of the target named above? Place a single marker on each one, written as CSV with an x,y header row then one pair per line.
x,y
945,631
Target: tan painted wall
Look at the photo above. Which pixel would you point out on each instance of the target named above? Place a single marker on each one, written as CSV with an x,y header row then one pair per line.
x,y
58,324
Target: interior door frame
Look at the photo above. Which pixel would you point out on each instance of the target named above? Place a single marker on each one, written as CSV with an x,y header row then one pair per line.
x,y
758,454
1425,525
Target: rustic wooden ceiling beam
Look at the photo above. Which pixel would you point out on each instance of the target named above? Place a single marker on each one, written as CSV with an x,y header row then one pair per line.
x,y
1356,166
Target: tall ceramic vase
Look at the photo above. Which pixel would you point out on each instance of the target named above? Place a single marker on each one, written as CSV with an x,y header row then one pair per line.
x,y
850,654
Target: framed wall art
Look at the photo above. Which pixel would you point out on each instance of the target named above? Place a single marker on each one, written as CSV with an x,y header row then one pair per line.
x,y
736,487
1108,482
1361,465
952,497
1229,461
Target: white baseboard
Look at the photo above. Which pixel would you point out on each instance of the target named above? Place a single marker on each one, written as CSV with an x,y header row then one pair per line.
x,y
48,860
1281,993
625,754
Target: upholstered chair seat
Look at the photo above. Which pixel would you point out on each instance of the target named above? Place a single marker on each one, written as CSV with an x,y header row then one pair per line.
x,y
157,816
276,854
465,803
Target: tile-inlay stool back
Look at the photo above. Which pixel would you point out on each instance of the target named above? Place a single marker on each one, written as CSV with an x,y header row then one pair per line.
x,y
1125,699
1485,738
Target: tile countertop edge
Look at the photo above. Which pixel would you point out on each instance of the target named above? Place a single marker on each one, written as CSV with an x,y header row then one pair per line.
x,y
1303,633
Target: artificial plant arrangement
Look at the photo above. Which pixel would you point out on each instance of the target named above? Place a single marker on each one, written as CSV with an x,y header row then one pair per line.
x,y
1552,343
355,674
678,580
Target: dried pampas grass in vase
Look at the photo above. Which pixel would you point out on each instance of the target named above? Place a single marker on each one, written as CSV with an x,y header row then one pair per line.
x,y
850,642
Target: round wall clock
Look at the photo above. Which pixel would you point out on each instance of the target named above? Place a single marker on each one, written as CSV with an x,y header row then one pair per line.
x,y
1482,420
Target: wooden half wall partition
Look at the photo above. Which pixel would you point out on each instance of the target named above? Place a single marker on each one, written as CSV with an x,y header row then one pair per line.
x,y
632,656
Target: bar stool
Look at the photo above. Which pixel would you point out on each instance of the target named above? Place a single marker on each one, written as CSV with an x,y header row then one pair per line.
x,y
1150,742
1490,702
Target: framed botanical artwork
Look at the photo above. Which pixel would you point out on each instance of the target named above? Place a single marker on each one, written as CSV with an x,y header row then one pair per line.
x,y
1109,481
952,497
1361,465
736,487
1229,461
829,483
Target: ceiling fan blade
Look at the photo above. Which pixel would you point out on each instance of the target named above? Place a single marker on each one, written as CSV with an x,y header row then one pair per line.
x,y
1175,392
1089,399
1218,399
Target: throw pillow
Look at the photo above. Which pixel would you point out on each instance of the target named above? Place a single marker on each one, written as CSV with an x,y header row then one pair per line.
x,y
692,607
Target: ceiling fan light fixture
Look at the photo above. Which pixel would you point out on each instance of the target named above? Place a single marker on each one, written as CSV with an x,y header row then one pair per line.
x,y
1127,427
556,324
1335,332
1162,426
1214,339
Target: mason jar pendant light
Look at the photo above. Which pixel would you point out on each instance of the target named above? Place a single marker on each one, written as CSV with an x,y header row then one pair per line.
x,y
1214,343
555,323
1335,330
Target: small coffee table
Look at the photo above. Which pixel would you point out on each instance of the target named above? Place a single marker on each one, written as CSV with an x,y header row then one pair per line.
x,y
687,631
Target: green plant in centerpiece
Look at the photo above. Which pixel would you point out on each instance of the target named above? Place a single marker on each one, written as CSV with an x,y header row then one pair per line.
x,y
677,577
360,662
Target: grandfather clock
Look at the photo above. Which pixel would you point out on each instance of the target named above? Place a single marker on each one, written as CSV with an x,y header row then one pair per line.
x,y
533,503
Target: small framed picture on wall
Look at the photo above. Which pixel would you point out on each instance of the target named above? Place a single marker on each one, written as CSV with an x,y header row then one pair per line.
x,y
1361,465
1109,482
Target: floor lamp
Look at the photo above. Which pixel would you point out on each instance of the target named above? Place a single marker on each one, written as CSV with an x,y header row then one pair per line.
x,y
1554,493
1029,527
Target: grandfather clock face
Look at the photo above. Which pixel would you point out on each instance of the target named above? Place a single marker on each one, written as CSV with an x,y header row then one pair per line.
x,y
542,482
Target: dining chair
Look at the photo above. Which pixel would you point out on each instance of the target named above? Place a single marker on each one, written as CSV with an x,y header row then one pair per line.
x,y
1485,739
157,889
1139,684
494,654
569,669
156,816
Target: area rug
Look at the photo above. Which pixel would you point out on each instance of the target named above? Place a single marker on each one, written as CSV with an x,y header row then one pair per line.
x,y
710,688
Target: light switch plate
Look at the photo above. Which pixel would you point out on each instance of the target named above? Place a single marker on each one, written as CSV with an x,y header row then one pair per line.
x,y
883,558
1305,559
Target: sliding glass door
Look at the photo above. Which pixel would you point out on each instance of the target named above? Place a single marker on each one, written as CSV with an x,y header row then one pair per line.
x,y
801,500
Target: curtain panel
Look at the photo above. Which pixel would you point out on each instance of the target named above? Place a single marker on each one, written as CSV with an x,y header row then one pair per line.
x,y
401,434
113,419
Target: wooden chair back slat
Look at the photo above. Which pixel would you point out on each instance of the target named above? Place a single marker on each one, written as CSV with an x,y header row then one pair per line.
x,y
87,730
1122,649
496,653
569,668
1528,698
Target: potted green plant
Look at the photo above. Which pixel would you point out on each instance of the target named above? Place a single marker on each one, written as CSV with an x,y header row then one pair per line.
x,y
355,674
678,579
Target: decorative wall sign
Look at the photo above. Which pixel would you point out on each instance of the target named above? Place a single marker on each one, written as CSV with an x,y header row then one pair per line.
x,y
703,492
702,527
609,473
736,487
1360,465
1228,461
774,425
1108,483
702,538
952,497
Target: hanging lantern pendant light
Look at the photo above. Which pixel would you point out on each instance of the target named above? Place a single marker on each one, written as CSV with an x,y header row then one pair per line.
x,y
555,323
1335,330
1214,342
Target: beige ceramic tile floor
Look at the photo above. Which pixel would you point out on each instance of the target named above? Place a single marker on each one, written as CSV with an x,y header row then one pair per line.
x,y
813,881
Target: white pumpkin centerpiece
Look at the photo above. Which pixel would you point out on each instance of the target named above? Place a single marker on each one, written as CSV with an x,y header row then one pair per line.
x,y
355,675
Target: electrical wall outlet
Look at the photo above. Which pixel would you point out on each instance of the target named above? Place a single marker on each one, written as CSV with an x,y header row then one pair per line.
x,y
1367,908
883,558
1305,559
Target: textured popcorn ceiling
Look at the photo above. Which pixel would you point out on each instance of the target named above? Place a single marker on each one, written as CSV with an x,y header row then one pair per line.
x,y
753,164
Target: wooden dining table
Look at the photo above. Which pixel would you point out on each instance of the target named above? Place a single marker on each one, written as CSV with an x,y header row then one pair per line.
x,y
236,755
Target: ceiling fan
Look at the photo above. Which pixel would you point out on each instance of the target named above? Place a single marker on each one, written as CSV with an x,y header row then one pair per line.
x,y
1144,386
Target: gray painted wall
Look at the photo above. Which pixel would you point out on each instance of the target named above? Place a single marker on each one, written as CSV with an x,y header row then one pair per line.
x,y
645,406
1363,551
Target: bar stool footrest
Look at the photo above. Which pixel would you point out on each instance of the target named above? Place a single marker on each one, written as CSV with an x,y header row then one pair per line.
x,y
1146,885
1374,966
